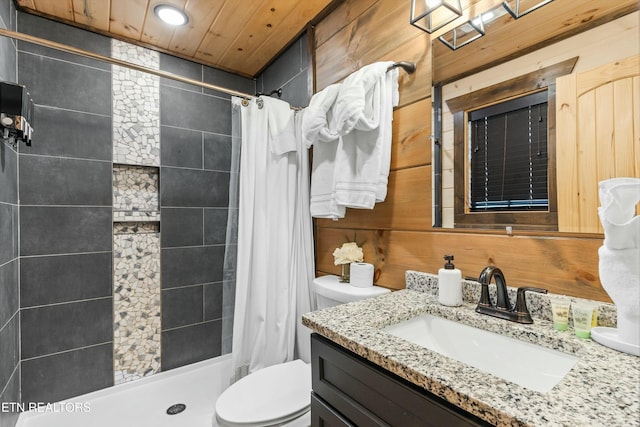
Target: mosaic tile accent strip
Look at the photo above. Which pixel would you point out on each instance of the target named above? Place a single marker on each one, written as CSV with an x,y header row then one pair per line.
x,y
136,106
135,192
136,301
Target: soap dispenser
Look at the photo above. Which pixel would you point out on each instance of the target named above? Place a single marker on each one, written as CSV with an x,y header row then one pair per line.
x,y
449,284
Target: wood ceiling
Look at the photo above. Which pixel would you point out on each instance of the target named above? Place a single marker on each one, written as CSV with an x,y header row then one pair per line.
x,y
241,36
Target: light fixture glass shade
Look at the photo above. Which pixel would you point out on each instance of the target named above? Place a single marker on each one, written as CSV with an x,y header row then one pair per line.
x,y
464,34
170,14
519,8
431,15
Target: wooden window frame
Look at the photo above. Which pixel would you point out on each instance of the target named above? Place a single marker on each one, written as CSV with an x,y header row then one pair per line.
x,y
528,83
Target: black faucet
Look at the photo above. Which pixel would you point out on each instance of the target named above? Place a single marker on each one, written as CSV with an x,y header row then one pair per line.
x,y
519,313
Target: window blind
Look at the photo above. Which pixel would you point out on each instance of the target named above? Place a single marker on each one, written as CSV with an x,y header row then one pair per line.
x,y
508,155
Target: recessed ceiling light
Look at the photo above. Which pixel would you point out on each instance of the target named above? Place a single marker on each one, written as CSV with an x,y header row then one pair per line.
x,y
170,14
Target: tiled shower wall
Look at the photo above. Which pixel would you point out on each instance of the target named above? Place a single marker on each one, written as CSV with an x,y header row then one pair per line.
x,y
9,262
67,221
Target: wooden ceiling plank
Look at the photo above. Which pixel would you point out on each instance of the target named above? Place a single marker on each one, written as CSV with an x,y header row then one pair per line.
x,y
27,4
127,18
202,14
156,32
267,20
60,9
92,13
293,24
223,32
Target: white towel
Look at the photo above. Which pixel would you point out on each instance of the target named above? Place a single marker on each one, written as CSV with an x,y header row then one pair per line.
x,y
617,211
282,138
619,272
619,256
363,113
319,129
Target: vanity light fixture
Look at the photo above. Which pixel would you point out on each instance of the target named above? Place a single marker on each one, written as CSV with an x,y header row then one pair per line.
x,y
471,30
514,7
431,15
463,35
170,14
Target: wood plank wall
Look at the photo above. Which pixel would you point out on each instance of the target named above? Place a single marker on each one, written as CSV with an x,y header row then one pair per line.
x,y
398,233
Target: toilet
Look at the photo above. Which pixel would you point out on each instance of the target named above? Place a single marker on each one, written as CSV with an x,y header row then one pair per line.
x,y
280,395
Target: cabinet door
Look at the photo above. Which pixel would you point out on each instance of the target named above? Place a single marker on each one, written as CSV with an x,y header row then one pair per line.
x,y
597,138
367,395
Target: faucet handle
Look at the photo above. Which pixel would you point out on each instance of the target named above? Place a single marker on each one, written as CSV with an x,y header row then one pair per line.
x,y
521,308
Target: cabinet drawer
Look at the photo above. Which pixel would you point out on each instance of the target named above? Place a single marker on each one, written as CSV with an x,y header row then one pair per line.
x,y
368,395
323,415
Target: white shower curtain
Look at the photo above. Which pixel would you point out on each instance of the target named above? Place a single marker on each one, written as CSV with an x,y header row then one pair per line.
x,y
274,269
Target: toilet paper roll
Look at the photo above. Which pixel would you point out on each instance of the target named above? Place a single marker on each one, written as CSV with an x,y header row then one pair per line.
x,y
361,274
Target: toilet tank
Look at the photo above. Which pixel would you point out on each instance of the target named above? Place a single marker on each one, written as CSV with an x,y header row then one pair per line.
x,y
330,291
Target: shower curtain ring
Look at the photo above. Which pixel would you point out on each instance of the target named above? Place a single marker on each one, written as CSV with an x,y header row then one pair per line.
x,y
245,102
260,103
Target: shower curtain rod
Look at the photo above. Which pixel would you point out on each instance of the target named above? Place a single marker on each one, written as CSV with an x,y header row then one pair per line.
x,y
115,61
409,67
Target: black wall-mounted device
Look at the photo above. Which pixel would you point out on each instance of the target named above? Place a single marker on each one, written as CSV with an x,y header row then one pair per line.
x,y
16,112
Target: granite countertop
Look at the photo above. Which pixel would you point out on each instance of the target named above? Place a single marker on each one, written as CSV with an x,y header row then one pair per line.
x,y
602,389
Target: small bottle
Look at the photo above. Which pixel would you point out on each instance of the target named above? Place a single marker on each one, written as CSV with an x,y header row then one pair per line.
x,y
449,284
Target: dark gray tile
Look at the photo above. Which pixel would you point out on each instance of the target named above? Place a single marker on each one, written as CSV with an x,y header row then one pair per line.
x,y
190,344
71,134
11,394
215,226
190,110
284,68
16,230
193,188
213,301
182,68
64,230
9,60
61,376
5,12
180,147
59,181
181,227
8,174
65,34
182,306
9,349
304,51
227,80
9,291
65,85
296,92
191,266
6,233
55,328
217,152
64,278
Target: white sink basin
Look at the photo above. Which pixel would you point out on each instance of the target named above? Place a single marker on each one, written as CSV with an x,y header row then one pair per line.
x,y
534,367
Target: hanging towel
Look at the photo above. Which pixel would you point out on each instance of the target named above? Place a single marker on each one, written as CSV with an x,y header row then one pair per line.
x,y
363,114
282,137
319,129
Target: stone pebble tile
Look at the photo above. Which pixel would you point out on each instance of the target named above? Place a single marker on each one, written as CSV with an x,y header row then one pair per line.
x,y
602,389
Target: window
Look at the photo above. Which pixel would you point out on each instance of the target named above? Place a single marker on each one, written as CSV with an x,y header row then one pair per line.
x,y
508,155
504,153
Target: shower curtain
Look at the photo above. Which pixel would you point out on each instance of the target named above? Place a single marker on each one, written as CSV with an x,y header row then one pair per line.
x,y
274,266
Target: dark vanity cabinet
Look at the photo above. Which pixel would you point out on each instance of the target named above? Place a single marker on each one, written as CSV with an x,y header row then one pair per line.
x,y
348,390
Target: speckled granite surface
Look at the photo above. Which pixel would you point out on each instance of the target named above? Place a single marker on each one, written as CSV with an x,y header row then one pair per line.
x,y
602,389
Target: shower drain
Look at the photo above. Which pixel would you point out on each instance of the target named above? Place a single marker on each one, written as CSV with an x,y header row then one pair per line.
x,y
176,409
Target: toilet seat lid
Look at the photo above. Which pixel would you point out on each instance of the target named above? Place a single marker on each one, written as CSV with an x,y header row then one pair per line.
x,y
270,395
